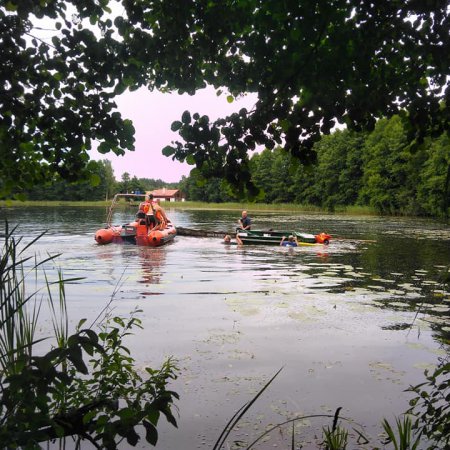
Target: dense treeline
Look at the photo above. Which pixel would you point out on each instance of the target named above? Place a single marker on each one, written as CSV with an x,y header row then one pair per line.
x,y
101,186
378,169
381,170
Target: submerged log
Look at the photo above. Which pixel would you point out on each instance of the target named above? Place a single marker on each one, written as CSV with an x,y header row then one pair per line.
x,y
181,231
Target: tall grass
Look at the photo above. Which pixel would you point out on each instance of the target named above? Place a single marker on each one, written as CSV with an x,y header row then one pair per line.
x,y
19,311
403,437
334,438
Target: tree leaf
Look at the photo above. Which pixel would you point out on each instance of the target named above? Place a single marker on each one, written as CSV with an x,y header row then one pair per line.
x,y
186,118
168,150
151,434
176,125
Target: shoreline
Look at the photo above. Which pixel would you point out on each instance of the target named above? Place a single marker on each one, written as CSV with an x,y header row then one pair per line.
x,y
254,207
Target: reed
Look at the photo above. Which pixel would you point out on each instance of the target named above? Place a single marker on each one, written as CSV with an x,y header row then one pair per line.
x,y
19,311
403,437
334,438
428,430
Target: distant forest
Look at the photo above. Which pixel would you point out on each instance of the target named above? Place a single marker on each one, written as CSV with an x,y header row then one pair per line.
x,y
101,186
380,170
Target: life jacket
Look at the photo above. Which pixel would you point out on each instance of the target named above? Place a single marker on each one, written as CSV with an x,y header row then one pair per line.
x,y
147,205
160,218
144,207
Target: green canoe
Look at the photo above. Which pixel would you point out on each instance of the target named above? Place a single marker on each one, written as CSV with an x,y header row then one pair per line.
x,y
261,237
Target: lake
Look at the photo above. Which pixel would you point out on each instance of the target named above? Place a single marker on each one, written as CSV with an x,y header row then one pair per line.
x,y
352,324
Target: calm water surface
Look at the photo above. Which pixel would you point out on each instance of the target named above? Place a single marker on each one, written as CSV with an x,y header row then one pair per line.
x,y
340,320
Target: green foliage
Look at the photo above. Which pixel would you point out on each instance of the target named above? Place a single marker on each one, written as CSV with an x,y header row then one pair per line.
x,y
404,439
389,180
311,64
379,170
60,394
57,93
214,190
335,439
16,328
101,185
434,185
431,406
271,173
338,176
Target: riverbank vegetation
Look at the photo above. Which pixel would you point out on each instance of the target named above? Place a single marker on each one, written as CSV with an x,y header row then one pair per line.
x,y
380,172
232,206
86,386
425,425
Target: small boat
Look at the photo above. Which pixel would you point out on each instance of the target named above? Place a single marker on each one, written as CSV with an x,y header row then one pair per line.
x,y
138,232
260,237
270,237
135,233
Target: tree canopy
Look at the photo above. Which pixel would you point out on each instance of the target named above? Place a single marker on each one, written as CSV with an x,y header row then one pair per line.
x,y
312,64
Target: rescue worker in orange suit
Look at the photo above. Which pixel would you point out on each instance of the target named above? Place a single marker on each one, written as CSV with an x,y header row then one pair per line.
x,y
146,204
146,211
155,214
160,216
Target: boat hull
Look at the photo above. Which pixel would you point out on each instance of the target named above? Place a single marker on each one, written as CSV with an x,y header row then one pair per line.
x,y
135,233
259,237
154,238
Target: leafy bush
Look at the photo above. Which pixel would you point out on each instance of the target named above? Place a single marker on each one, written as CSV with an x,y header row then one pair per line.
x,y
431,406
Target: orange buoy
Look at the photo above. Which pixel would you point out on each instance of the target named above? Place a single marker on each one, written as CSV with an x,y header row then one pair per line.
x,y
323,238
107,235
104,236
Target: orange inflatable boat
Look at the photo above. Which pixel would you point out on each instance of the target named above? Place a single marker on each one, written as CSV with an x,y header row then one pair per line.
x,y
139,232
135,233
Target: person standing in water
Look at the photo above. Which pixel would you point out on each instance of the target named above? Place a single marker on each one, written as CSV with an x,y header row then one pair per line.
x,y
291,241
227,240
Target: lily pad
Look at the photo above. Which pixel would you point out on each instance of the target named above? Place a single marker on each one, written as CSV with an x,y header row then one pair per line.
x,y
400,304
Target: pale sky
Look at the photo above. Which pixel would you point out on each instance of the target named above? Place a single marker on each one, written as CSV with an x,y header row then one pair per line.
x,y
152,114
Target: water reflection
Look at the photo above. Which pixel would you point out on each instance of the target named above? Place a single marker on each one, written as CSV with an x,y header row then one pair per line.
x,y
152,261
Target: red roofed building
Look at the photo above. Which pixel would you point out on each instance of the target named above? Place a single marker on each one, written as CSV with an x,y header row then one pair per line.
x,y
167,195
